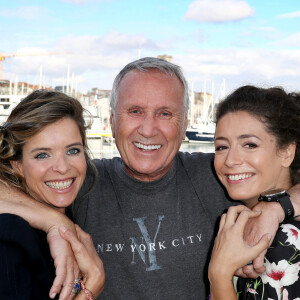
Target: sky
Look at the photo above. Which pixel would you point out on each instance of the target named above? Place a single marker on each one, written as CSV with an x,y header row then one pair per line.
x,y
214,41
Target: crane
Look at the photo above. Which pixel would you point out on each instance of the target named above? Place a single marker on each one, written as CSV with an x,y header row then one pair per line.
x,y
2,58
6,56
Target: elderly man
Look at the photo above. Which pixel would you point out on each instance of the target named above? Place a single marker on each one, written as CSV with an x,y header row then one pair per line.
x,y
152,213
152,218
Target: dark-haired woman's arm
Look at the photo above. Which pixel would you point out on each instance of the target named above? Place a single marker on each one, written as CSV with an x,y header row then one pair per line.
x,y
230,252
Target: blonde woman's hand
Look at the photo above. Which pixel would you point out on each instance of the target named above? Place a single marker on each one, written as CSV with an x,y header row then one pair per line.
x,y
87,258
65,264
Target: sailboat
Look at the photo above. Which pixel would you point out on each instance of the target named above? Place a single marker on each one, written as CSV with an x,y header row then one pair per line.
x,y
203,130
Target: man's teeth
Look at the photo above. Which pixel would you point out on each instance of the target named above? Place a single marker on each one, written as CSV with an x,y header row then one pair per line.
x,y
147,147
59,185
239,176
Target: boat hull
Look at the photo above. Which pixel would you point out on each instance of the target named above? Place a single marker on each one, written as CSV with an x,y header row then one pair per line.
x,y
199,137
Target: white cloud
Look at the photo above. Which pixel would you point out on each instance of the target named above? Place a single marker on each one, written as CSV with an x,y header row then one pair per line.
x,y
95,60
101,55
252,36
25,12
291,15
218,10
110,43
125,41
290,41
242,66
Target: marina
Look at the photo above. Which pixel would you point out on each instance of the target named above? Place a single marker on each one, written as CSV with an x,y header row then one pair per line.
x,y
199,134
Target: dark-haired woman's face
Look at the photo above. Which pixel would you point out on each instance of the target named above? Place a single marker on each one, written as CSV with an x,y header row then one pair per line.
x,y
247,160
53,164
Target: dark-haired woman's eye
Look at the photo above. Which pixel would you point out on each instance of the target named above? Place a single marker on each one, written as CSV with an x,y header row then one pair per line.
x,y
220,148
251,145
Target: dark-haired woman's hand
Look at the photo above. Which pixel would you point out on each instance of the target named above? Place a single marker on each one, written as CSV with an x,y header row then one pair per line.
x,y
230,252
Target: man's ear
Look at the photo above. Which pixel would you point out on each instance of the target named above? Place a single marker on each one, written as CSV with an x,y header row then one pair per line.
x,y
185,127
17,167
288,154
112,124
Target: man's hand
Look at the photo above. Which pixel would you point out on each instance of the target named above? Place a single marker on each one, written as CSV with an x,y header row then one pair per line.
x,y
266,223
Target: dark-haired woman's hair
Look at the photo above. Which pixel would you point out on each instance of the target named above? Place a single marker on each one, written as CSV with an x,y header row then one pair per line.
x,y
38,110
278,110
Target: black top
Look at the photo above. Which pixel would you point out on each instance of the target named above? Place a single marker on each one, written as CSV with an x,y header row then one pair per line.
x,y
282,262
26,268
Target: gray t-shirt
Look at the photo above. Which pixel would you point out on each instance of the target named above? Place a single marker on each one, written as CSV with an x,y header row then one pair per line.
x,y
154,237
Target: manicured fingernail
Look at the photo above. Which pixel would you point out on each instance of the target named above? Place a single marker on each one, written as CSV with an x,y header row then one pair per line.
x,y
52,295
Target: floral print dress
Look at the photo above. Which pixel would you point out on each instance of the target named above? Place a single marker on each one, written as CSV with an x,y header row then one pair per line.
x,y
282,262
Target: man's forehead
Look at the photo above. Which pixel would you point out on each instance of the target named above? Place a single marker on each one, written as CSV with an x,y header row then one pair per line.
x,y
147,75
151,89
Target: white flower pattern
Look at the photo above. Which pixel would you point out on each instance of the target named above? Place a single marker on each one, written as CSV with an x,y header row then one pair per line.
x,y
293,234
282,262
280,275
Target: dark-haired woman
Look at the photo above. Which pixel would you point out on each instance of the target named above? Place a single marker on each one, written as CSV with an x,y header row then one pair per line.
x,y
257,143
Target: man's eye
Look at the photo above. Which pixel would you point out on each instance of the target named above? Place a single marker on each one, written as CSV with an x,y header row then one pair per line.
x,y
135,111
165,114
41,155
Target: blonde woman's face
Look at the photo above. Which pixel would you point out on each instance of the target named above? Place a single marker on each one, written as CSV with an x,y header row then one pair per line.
x,y
53,164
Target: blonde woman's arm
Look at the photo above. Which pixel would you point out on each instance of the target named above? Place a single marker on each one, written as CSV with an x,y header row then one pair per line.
x,y
43,217
89,263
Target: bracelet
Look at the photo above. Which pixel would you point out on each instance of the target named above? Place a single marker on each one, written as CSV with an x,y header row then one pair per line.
x,y
93,297
86,291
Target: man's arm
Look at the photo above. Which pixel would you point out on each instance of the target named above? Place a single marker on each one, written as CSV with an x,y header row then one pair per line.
x,y
47,219
268,222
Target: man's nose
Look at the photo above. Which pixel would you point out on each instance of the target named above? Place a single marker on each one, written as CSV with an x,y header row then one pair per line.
x,y
148,127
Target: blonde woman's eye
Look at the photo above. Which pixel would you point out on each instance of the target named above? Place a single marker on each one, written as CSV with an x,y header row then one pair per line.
x,y
73,151
42,155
